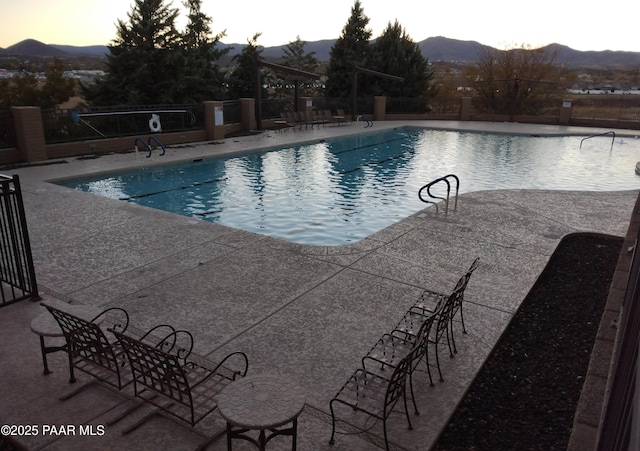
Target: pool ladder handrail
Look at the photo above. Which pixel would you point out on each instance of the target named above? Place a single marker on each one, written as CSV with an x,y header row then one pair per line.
x,y
147,145
613,138
446,200
158,143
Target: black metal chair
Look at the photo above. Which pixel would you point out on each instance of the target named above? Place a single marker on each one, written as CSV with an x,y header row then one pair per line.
x,y
101,355
374,395
430,301
412,322
392,348
89,350
171,377
457,307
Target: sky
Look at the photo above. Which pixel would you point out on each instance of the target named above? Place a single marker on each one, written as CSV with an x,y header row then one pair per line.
x,y
498,23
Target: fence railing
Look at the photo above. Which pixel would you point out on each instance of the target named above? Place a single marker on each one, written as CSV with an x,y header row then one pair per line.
x,y
17,273
232,114
112,122
622,107
67,126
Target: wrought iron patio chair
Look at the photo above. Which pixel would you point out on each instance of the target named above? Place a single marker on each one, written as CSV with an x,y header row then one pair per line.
x,y
457,307
392,348
413,320
88,348
175,380
101,355
429,301
375,395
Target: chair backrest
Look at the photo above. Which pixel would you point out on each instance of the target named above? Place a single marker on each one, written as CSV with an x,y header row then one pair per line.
x,y
87,343
421,341
396,387
461,286
156,369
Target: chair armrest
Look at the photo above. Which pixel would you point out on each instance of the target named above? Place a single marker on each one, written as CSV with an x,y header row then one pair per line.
x,y
116,318
403,335
156,334
178,343
243,364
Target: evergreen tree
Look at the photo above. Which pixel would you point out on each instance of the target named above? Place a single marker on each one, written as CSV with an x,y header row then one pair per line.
x,y
351,48
143,63
202,78
242,81
295,57
395,53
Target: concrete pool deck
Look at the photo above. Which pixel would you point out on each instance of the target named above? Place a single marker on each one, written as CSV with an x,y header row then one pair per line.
x,y
305,312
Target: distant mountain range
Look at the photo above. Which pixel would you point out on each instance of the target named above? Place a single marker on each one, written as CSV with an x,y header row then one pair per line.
x,y
435,49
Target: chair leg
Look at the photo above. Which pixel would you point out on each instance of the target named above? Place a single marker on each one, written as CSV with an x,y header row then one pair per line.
x,y
413,396
426,359
406,409
438,361
464,329
451,340
333,423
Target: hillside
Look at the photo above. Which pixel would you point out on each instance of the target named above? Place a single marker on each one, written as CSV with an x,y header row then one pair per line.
x,y
435,49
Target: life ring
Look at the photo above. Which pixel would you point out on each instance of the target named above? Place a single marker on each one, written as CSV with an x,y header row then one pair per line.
x,y
154,123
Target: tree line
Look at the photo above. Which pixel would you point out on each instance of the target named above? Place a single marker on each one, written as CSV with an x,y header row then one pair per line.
x,y
150,62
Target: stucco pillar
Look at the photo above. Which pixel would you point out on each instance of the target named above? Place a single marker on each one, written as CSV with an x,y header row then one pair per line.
x,y
214,119
465,108
379,108
248,114
305,104
29,133
565,111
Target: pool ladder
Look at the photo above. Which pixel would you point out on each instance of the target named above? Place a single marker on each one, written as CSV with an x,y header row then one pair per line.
x,y
147,145
613,138
444,179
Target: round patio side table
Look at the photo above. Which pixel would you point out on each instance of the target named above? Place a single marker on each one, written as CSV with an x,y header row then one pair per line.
x,y
261,403
45,325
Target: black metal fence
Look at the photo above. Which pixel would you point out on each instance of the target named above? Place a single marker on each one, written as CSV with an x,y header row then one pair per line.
x,y
17,273
113,122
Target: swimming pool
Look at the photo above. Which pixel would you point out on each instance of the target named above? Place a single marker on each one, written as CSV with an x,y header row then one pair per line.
x,y
339,191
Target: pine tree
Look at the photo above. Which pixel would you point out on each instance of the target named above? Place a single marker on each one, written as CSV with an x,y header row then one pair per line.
x,y
395,53
143,63
295,57
202,78
351,48
242,81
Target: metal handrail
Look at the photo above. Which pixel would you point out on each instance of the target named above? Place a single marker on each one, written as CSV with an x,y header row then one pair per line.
x,y
146,146
613,138
446,200
153,138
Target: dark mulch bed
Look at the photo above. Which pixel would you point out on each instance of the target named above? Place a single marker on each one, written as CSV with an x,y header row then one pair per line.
x,y
526,394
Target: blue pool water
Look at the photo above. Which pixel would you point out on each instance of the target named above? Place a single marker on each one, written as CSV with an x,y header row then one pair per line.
x,y
340,191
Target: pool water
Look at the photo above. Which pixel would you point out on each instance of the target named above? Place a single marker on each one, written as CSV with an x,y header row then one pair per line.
x,y
340,191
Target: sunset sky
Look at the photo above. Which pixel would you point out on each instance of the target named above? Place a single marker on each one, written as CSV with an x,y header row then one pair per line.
x,y
611,25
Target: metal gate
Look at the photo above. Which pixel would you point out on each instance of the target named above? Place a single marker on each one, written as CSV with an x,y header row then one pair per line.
x,y
17,274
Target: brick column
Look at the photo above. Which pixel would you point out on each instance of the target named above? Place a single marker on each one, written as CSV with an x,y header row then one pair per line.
x,y
214,119
29,133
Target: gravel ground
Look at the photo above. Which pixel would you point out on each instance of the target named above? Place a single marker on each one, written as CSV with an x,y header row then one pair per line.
x,y
527,392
